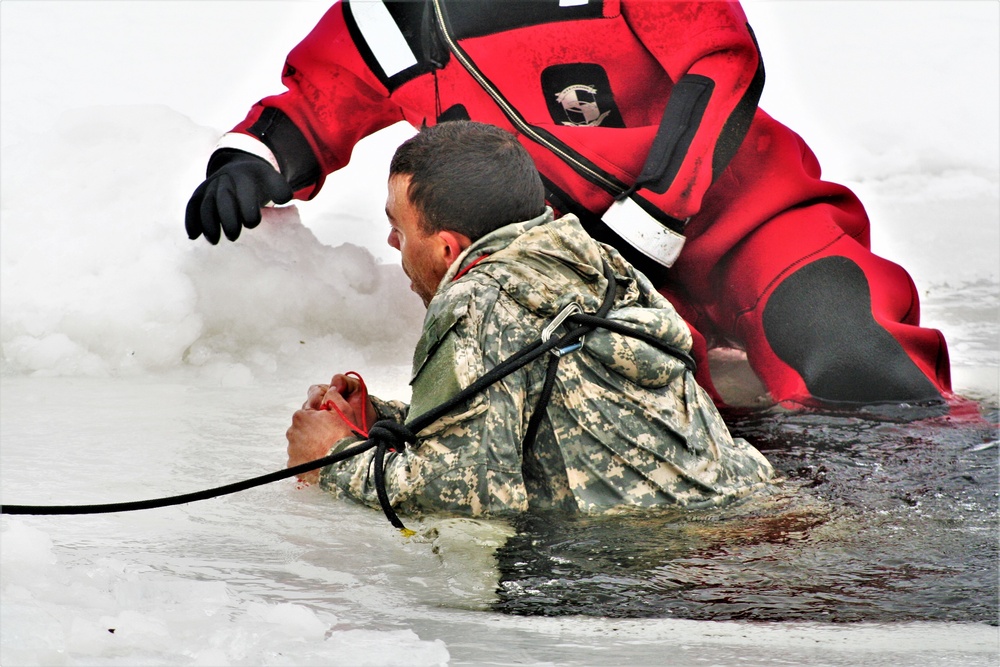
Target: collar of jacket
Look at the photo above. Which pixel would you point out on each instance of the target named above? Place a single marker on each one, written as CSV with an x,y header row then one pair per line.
x,y
495,240
543,264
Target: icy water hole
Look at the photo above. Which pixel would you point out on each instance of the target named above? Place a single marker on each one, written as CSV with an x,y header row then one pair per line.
x,y
877,521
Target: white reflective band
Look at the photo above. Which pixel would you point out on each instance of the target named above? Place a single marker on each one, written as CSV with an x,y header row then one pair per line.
x,y
382,36
248,144
572,3
644,232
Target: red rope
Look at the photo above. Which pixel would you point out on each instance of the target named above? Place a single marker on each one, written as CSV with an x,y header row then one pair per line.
x,y
363,429
360,430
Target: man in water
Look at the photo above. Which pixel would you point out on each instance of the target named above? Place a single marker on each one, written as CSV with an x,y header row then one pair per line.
x,y
625,424
642,118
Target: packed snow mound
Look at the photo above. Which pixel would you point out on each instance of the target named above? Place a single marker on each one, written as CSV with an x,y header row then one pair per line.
x,y
99,277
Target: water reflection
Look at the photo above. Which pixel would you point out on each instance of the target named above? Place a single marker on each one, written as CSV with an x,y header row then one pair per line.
x,y
876,520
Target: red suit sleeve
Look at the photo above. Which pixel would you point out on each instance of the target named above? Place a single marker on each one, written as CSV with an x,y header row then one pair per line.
x,y
332,102
709,52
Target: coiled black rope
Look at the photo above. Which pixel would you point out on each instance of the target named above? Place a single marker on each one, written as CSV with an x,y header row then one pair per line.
x,y
389,436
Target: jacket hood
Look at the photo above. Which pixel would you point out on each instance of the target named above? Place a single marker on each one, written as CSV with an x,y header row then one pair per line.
x,y
545,264
533,261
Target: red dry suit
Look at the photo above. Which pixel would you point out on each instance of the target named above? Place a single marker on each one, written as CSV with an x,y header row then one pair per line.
x,y
653,104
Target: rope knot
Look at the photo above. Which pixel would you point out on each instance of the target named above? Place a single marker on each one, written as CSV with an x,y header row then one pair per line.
x,y
391,435
388,436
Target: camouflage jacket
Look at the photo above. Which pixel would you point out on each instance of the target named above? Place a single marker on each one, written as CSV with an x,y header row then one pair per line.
x,y
626,425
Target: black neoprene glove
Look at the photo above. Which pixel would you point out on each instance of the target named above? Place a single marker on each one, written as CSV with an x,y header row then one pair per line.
x,y
237,185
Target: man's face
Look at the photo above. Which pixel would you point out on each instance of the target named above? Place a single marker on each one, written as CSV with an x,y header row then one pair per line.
x,y
422,257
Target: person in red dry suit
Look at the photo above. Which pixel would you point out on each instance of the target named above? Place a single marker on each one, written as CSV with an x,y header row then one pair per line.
x,y
642,119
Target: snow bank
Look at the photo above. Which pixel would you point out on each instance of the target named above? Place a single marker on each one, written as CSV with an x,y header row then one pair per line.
x,y
99,278
115,612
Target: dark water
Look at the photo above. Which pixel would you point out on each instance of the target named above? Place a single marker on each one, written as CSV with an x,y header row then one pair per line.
x,y
877,520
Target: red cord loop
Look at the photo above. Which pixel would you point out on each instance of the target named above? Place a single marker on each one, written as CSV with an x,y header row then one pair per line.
x,y
360,430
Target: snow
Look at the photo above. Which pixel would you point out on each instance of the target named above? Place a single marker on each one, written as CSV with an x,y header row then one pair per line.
x,y
108,111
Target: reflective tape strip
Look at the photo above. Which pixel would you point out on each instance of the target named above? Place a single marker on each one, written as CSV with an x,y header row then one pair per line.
x,y
572,3
644,232
248,144
383,36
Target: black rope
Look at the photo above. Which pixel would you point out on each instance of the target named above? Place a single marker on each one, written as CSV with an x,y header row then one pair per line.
x,y
390,436
190,497
513,363
625,330
527,443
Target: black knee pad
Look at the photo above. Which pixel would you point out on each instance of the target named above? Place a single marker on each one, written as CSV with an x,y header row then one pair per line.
x,y
819,321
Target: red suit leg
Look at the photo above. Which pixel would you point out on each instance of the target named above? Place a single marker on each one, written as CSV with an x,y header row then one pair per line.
x,y
778,263
824,321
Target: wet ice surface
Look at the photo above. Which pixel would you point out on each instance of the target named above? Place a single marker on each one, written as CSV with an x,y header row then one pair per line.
x,y
879,525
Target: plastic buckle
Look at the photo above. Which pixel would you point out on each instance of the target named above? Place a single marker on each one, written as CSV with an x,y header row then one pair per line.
x,y
557,321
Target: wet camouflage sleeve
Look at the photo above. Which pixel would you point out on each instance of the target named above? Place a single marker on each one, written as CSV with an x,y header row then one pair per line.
x,y
466,462
627,424
395,410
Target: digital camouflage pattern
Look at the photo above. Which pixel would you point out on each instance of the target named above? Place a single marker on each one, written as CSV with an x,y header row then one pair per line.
x,y
627,425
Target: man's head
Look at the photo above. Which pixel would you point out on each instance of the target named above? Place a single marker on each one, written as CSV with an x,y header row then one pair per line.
x,y
450,185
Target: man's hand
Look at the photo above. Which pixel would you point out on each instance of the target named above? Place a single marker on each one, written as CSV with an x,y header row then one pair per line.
x,y
311,436
315,396
230,198
317,427
349,389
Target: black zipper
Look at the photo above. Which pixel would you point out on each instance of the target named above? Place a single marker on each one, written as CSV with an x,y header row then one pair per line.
x,y
580,164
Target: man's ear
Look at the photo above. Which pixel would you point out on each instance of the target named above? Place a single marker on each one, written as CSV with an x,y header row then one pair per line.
x,y
453,245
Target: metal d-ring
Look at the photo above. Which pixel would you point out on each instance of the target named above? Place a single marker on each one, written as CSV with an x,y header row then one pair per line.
x,y
571,309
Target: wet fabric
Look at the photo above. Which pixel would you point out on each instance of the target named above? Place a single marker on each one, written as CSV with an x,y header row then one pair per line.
x,y
626,426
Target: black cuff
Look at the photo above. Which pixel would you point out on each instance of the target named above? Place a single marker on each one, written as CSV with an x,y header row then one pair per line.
x,y
298,164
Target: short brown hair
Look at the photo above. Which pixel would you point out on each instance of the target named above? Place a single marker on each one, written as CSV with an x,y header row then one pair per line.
x,y
469,177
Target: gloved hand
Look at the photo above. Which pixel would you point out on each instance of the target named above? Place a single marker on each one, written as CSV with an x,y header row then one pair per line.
x,y
237,186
